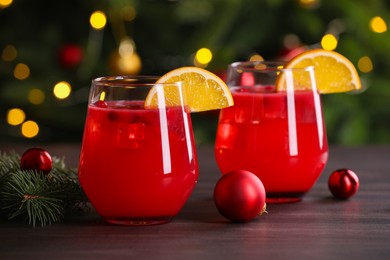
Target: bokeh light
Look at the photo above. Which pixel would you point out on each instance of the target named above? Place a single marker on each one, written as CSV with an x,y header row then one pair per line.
x,y
310,4
9,53
62,90
5,3
36,96
291,41
98,20
126,47
378,25
125,60
365,64
203,56
128,13
15,116
329,42
30,129
21,71
256,57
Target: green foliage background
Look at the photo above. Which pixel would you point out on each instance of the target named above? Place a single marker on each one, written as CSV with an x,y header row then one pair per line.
x,y
167,34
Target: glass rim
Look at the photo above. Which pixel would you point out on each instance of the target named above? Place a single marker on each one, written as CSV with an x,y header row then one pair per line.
x,y
130,80
271,66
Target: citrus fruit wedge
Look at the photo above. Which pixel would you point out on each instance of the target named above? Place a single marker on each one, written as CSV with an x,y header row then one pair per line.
x,y
334,73
202,90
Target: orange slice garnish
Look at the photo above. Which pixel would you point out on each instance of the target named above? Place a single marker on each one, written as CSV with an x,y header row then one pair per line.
x,y
334,73
203,90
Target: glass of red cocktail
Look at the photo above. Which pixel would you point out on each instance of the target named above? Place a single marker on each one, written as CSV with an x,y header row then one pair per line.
x,y
275,128
138,163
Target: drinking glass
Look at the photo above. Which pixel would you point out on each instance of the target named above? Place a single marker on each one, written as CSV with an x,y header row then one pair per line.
x,y
278,135
138,163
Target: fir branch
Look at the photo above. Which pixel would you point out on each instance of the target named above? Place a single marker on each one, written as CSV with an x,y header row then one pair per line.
x,y
66,182
29,194
35,196
9,162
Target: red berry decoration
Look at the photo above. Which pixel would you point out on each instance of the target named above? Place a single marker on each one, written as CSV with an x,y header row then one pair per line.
x,y
240,196
36,159
101,103
343,183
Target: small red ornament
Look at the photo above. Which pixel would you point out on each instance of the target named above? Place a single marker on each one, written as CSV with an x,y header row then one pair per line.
x,y
343,183
36,159
70,55
240,196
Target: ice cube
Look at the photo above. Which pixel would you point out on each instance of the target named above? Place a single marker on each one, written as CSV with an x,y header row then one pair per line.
x,y
227,135
131,135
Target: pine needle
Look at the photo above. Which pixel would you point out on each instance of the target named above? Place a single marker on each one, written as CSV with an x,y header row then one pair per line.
x,y
29,193
32,195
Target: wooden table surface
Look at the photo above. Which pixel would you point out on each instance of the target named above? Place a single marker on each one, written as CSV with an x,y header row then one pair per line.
x,y
318,227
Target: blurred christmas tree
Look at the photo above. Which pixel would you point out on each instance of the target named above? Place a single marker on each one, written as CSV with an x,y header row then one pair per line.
x,y
51,50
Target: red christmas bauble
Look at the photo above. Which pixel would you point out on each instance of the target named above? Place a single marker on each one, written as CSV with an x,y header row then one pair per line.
x,y
36,159
70,55
343,183
240,196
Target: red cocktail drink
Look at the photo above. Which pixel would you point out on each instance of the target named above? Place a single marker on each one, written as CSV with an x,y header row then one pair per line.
x,y
138,165
279,136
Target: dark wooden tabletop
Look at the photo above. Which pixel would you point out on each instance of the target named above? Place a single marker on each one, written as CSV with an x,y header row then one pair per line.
x,y
318,227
